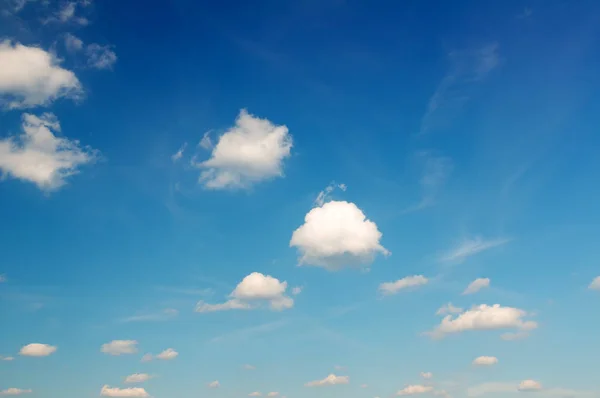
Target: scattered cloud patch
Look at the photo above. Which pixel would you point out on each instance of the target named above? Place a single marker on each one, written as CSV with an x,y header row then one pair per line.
x,y
147,357
471,247
485,361
595,285
249,367
436,170
2,278
273,394
337,235
251,151
426,375
206,141
415,389
137,378
167,355
67,14
32,77
448,309
179,154
477,285
3,358
15,391
120,347
491,388
297,290
100,57
164,315
255,394
389,288
73,43
254,290
123,392
214,384
530,385
39,156
330,380
325,194
484,317
37,350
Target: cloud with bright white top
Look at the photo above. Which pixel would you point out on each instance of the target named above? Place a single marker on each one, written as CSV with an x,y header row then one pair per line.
x,y
37,350
39,156
414,390
484,317
251,151
330,380
15,391
337,235
120,347
389,288
123,392
485,361
477,285
167,354
254,290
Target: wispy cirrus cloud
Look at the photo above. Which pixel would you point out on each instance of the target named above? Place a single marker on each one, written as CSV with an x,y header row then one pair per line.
x,y
163,315
470,247
435,172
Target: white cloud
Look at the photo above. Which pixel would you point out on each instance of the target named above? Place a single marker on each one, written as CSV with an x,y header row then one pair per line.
x,y
477,285
426,375
32,77
120,347
297,290
138,378
73,43
326,193
255,394
273,394
595,285
337,235
167,354
484,317
214,384
38,156
15,391
179,154
100,57
206,142
253,290
389,288
530,385
329,381
436,170
415,389
251,151
147,358
470,247
448,309
66,14
123,392
485,361
37,350
6,358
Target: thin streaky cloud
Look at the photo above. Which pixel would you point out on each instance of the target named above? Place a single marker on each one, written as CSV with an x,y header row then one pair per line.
x,y
472,246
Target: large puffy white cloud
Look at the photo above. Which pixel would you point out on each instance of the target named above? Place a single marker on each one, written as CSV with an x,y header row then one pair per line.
x,y
415,389
120,347
484,317
30,77
251,151
477,285
39,156
336,235
254,290
123,392
485,361
330,380
15,391
389,288
37,350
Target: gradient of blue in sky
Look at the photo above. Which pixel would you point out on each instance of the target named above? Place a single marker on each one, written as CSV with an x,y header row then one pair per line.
x,y
285,194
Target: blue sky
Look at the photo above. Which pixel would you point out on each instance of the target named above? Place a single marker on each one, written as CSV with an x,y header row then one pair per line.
x,y
332,198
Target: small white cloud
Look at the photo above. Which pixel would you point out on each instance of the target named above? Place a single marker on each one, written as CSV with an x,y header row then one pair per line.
x,y
273,394
15,391
415,389
37,350
337,235
448,309
6,358
73,43
38,156
426,375
120,347
66,14
297,290
167,354
179,154
477,285
32,77
250,152
137,378
485,361
123,392
389,288
326,193
147,358
100,57
253,290
206,142
595,285
330,380
255,394
530,385
484,317
470,247
214,384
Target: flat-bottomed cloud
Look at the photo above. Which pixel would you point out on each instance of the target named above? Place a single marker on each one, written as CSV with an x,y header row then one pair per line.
x,y
108,391
120,347
37,350
330,380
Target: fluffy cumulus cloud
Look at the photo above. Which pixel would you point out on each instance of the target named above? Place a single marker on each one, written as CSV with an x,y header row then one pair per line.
x,y
530,385
449,309
39,156
123,392
15,391
336,235
330,380
477,285
484,317
251,151
167,354
415,389
389,288
120,347
595,285
100,57
137,378
37,350
31,77
485,361
253,291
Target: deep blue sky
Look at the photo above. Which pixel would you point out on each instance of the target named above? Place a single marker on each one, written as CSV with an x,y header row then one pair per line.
x,y
467,131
